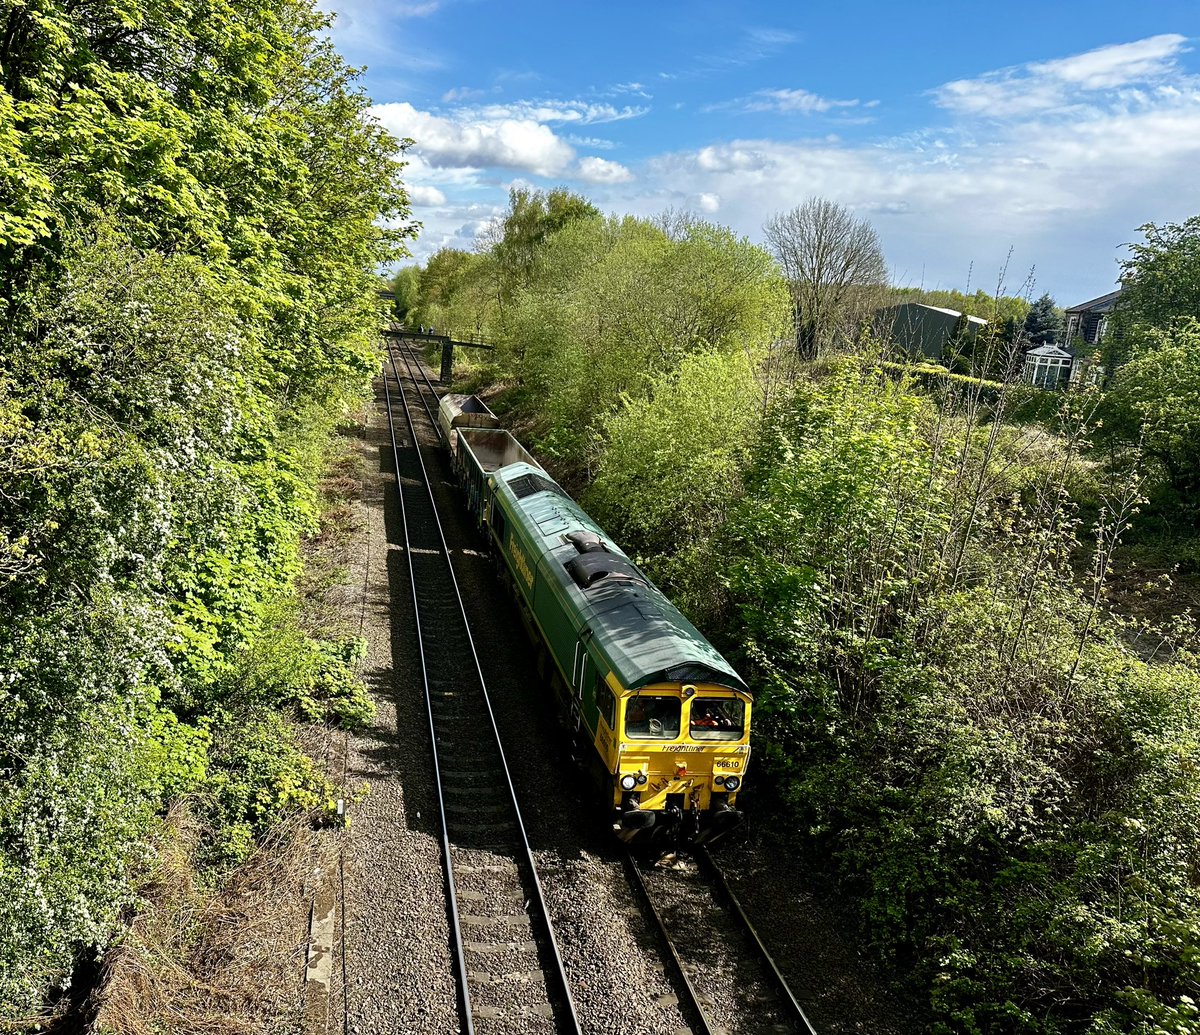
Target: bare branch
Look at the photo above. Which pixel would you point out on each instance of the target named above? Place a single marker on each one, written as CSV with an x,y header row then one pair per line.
x,y
835,267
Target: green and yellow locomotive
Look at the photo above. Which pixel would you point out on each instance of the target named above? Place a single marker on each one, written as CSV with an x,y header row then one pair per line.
x,y
665,717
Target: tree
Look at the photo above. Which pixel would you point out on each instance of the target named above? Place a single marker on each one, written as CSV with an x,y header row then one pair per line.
x,y
1162,277
450,297
194,202
1043,322
406,284
834,265
1155,399
532,216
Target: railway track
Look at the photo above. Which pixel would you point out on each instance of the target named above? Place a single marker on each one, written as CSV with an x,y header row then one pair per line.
x,y
510,973
722,972
725,971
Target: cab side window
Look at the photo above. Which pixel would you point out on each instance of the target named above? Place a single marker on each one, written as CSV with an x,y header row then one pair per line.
x,y
607,703
498,522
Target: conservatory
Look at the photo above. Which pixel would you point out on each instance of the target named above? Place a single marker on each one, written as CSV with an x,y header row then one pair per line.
x,y
1048,366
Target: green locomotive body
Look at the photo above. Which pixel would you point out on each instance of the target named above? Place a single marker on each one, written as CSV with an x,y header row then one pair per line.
x,y
664,717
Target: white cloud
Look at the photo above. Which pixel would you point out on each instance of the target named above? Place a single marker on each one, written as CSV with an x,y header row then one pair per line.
x,y
771,37
365,30
580,112
1064,194
1108,67
601,170
748,47
454,226
461,178
510,143
517,136
595,143
708,203
415,10
729,157
1063,85
462,93
637,89
424,194
794,101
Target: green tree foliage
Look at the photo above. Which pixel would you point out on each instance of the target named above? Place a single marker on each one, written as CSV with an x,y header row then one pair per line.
x,y
192,201
618,303
586,310
532,217
1161,278
454,291
1043,323
1152,404
406,284
960,727
693,430
1154,401
231,132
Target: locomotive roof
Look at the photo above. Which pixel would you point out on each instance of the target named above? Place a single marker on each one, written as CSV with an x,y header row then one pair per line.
x,y
641,634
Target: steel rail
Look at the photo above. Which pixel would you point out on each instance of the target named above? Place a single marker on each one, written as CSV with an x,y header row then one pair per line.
x,y
705,1026
709,864
464,994
560,974
428,384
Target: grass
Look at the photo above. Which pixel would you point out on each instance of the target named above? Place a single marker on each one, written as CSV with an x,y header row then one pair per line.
x,y
221,950
213,961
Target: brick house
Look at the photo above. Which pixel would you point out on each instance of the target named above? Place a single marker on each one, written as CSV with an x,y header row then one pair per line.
x,y
1089,320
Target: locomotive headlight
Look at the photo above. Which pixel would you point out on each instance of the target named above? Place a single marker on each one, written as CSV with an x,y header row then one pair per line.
x,y
719,781
641,778
628,782
732,783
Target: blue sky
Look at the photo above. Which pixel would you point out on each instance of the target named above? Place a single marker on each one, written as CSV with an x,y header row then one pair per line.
x,y
974,137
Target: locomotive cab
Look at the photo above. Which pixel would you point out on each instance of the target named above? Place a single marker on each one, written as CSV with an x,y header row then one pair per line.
x,y
679,761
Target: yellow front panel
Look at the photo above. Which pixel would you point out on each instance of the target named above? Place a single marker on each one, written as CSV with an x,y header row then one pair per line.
x,y
682,764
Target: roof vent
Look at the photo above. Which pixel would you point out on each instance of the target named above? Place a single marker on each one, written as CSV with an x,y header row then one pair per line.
x,y
528,484
586,542
589,568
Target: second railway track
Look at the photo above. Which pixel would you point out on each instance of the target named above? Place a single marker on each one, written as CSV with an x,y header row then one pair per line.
x,y
509,971
733,984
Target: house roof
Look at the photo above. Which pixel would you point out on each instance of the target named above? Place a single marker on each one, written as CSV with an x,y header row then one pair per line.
x,y
1049,351
1096,305
938,309
952,312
